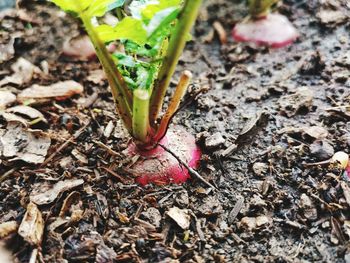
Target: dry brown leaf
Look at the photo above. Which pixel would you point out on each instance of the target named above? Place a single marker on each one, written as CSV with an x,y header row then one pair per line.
x,y
24,144
7,228
23,73
317,132
96,76
6,98
32,225
24,114
59,90
7,50
79,156
72,198
48,196
180,216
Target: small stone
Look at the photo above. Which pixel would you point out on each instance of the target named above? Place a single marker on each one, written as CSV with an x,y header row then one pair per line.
x,y
321,150
257,201
326,224
210,206
248,223
347,257
334,240
316,132
180,216
260,169
109,129
262,220
301,99
182,199
153,216
214,141
310,211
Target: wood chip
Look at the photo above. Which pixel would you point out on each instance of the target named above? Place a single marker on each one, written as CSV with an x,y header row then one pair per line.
x,y
32,225
234,212
24,114
8,228
346,191
23,73
6,98
50,195
59,91
180,216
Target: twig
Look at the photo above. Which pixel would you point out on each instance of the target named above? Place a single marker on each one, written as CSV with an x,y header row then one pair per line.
x,y
64,145
221,32
121,179
107,148
191,171
7,174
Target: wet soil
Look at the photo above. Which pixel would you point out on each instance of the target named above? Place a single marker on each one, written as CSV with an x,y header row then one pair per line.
x,y
265,114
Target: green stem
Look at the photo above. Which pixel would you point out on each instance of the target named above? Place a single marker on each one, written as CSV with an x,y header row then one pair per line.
x,y
260,8
140,115
177,43
120,91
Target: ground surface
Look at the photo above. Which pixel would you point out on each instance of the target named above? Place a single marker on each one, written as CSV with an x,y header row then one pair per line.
x,y
268,207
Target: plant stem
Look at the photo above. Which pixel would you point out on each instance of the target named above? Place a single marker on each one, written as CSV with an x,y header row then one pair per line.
x,y
120,91
140,115
174,104
260,8
177,43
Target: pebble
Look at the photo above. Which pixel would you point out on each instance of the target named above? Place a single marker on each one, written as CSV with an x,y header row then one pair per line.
x,y
214,141
260,169
310,211
321,150
153,216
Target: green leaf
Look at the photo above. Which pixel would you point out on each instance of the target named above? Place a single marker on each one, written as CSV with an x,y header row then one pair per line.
x,y
141,50
129,29
100,7
125,60
76,6
162,19
136,8
91,7
150,10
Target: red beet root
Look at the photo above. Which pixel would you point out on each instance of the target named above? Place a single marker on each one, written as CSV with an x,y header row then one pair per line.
x,y
273,30
161,167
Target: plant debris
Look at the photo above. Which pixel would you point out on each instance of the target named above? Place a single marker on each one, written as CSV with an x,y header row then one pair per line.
x,y
32,225
275,197
180,216
6,98
47,196
20,143
60,91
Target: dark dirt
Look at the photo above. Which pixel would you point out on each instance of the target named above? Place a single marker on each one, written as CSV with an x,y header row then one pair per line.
x,y
253,126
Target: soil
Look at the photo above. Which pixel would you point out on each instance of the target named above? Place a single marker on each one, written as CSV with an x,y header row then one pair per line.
x,y
265,115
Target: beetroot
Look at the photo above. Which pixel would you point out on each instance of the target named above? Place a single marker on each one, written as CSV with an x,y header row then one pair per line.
x,y
273,30
159,166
